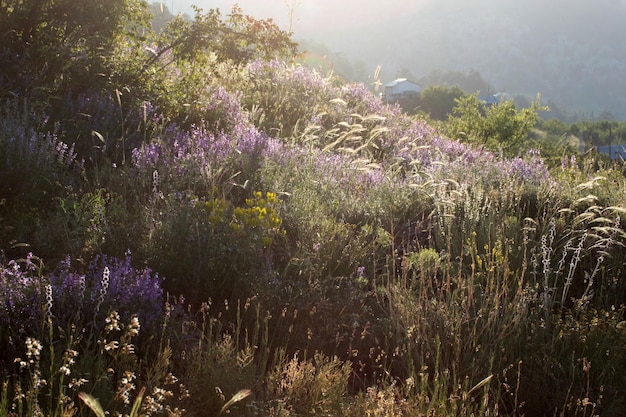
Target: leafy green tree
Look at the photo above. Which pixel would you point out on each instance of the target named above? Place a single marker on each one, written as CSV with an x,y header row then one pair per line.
x,y
189,54
52,46
238,38
439,101
92,59
497,127
471,82
600,132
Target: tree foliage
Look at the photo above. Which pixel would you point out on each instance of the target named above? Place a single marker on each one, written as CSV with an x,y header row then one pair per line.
x,y
600,132
472,82
52,46
238,38
439,101
497,127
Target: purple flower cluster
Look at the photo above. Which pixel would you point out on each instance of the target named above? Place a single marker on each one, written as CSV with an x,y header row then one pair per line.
x,y
186,153
442,157
402,138
343,171
529,169
39,151
569,163
129,291
77,299
410,141
286,95
223,111
30,150
20,295
281,74
361,100
479,165
406,139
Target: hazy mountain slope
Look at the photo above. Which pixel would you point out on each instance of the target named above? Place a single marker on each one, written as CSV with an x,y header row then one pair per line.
x,y
570,51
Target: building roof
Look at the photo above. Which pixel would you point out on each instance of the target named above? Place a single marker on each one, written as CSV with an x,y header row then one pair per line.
x,y
400,81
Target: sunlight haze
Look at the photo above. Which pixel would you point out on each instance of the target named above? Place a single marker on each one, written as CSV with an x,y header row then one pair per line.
x,y
567,50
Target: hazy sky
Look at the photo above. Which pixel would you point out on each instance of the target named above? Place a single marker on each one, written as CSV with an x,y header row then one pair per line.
x,y
569,50
309,16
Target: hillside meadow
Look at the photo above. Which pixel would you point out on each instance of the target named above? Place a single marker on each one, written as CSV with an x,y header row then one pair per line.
x,y
192,223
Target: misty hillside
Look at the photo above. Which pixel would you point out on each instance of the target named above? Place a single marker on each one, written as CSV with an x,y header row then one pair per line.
x,y
569,51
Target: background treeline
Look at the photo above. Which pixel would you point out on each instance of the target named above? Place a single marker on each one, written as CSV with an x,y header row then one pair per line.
x,y
565,49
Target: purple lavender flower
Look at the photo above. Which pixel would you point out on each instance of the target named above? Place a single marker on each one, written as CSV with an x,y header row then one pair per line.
x,y
130,291
361,271
33,156
75,299
20,293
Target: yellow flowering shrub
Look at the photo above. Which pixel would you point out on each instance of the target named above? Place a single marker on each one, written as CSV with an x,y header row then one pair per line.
x,y
216,210
259,216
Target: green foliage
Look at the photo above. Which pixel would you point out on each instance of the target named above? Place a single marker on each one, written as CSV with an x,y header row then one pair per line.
x,y
279,103
582,352
555,141
85,224
219,247
99,49
439,101
239,38
600,132
498,127
472,82
187,55
54,46
218,370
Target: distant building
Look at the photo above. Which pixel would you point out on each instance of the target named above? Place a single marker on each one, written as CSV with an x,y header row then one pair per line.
x,y
402,91
613,151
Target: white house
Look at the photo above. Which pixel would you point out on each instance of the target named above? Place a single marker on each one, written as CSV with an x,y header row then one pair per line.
x,y
401,91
